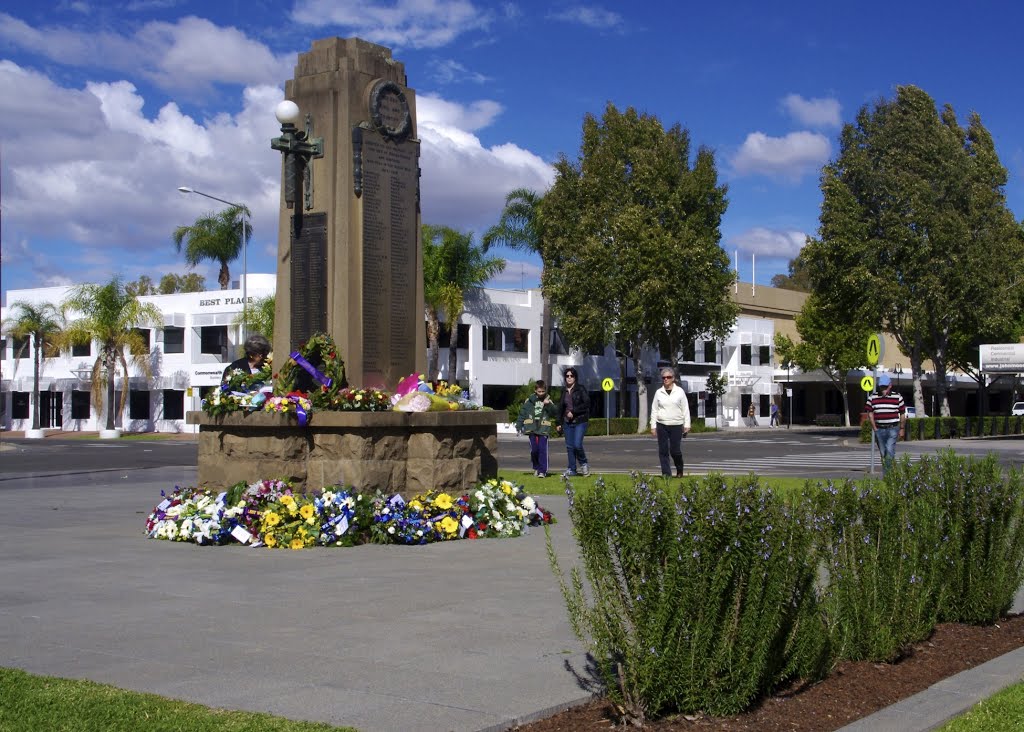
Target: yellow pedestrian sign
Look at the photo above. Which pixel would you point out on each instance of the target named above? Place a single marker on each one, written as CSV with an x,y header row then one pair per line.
x,y
608,384
868,384
876,347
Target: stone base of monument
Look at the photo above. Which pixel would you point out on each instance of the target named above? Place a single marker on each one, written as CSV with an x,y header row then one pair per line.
x,y
395,452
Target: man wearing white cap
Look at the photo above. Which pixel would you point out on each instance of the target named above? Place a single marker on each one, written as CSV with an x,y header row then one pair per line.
x,y
888,415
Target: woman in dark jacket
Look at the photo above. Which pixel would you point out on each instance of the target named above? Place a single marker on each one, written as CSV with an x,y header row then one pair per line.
x,y
574,411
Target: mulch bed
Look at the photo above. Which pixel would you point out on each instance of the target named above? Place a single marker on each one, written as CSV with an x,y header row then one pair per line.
x,y
852,691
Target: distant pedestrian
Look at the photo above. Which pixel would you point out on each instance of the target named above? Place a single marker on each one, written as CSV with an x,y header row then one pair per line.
x,y
775,416
888,414
537,418
670,421
574,413
751,416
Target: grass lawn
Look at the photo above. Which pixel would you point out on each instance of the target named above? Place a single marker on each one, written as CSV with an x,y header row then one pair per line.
x,y
1003,712
29,702
554,485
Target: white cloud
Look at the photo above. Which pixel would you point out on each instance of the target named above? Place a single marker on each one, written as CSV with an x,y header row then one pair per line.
x,y
433,111
172,55
402,23
820,112
590,16
790,157
451,72
770,242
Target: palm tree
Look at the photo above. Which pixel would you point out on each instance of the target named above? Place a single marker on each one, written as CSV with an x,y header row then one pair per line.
x,y
44,324
520,227
260,316
215,238
110,316
451,266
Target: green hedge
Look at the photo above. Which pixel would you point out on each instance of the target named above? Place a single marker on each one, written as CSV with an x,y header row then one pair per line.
x,y
945,428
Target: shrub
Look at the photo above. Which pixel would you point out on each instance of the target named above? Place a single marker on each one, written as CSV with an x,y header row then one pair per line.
x,y
984,524
885,553
700,593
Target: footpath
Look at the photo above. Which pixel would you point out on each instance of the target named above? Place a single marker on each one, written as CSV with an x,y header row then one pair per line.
x,y
464,636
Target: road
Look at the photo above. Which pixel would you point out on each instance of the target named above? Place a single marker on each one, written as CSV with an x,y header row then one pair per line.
x,y
797,452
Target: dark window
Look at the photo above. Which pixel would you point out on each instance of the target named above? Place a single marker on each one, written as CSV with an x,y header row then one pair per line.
x,y
710,352
690,351
745,350
79,404
558,344
3,348
596,349
21,349
19,405
214,339
138,404
174,340
81,350
764,355
143,348
461,336
174,404
506,339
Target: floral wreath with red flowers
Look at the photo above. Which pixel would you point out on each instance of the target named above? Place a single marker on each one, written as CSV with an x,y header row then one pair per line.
x,y
318,372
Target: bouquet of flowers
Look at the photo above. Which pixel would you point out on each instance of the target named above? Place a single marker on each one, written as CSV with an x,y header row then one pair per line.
x,y
342,516
200,516
362,400
289,522
500,508
240,390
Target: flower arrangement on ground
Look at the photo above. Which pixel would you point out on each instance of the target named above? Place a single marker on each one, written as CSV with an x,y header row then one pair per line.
x,y
271,513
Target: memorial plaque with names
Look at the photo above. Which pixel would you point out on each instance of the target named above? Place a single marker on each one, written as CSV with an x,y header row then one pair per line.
x,y
390,316
309,278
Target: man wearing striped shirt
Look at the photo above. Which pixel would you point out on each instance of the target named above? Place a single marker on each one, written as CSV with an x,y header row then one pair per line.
x,y
888,416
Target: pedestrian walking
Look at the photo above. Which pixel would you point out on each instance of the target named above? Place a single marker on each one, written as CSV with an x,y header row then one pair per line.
x,y
537,418
775,416
751,416
574,412
888,414
670,422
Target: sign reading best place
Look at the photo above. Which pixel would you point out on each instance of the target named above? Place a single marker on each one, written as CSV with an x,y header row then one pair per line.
x,y
1001,358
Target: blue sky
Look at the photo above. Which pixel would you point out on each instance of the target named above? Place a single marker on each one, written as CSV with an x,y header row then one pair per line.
x,y
106,108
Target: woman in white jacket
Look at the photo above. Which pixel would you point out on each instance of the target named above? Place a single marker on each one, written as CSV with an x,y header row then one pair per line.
x,y
670,421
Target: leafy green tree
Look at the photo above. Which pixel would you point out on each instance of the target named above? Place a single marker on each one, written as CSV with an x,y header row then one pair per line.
x,y
141,286
44,324
914,228
826,343
452,265
260,316
521,227
111,315
631,232
171,283
215,238
798,278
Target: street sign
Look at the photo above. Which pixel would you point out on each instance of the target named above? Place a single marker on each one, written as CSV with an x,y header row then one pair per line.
x,y
876,348
607,384
868,384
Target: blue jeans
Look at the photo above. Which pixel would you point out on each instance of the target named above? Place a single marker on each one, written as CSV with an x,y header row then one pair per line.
x,y
574,444
886,439
539,453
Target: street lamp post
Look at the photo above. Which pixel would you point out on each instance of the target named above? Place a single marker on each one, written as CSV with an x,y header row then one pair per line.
x,y
245,264
898,370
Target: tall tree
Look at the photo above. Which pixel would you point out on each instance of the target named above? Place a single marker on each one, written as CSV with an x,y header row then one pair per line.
x,y
216,238
521,227
141,286
631,232
260,316
826,344
452,265
912,208
798,278
111,315
42,323
171,283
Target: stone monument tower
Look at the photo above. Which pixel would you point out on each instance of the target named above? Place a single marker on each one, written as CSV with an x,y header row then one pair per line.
x,y
350,259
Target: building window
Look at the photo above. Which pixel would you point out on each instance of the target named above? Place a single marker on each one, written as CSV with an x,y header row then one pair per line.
x,y
214,339
557,343
138,404
80,406
81,350
21,349
764,355
461,336
174,404
19,405
690,351
745,354
143,348
513,340
710,352
50,350
3,349
174,340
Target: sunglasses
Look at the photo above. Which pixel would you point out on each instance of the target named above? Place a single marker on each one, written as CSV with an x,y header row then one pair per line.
x,y
667,378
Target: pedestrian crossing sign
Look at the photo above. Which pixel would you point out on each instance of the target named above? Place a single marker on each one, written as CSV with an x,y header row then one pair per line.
x,y
875,349
868,384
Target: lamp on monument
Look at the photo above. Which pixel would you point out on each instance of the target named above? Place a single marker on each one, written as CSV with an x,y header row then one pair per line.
x,y
298,148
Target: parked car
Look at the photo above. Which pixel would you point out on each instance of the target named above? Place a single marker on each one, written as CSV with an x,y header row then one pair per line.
x,y
1017,410
912,412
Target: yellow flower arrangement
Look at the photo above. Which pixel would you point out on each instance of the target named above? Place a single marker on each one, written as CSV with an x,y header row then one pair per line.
x,y
449,525
272,519
307,511
443,501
